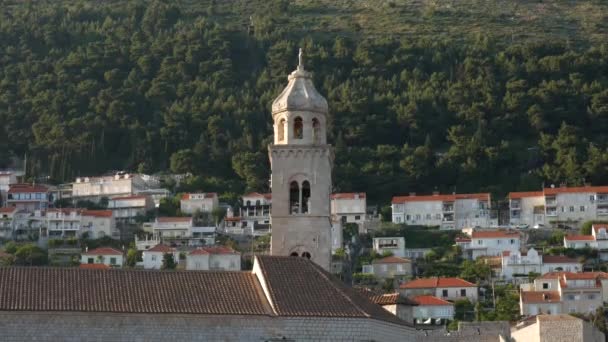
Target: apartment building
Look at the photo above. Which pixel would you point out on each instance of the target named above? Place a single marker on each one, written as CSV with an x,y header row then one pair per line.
x,y
391,267
94,188
348,207
454,211
28,197
564,292
217,258
199,202
597,240
127,208
254,213
517,265
172,227
71,222
444,288
568,206
394,245
489,243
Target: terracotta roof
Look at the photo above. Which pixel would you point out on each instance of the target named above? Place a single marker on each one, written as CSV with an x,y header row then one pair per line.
x,y
559,259
424,283
425,198
257,194
579,237
20,188
596,227
462,239
529,297
173,219
299,287
161,248
97,213
103,251
213,250
130,291
392,260
232,219
583,189
494,234
524,194
94,266
124,198
430,300
391,299
7,210
347,195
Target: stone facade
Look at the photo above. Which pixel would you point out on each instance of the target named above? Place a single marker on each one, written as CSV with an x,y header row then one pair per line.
x,y
301,162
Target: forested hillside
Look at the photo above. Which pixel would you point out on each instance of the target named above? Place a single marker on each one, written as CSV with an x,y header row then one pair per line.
x,y
423,95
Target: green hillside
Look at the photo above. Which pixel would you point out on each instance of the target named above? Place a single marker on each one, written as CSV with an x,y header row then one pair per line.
x,y
456,95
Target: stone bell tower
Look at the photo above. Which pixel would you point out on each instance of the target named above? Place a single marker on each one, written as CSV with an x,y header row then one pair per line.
x,y
301,162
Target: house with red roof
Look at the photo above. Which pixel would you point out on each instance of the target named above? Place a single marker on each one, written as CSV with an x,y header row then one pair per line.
x,y
28,197
570,206
153,257
253,214
108,256
597,240
444,288
217,258
516,266
173,227
127,208
488,242
455,211
432,310
391,267
203,202
348,207
564,292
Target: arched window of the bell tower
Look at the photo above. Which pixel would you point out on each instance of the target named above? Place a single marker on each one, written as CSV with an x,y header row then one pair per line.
x,y
281,130
298,128
305,197
294,254
294,198
316,131
306,255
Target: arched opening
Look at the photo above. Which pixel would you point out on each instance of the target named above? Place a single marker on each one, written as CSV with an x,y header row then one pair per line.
x,y
306,255
316,131
305,197
257,203
281,130
294,198
248,203
294,254
298,128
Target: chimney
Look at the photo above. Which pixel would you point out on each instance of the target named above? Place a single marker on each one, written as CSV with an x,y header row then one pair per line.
x,y
412,194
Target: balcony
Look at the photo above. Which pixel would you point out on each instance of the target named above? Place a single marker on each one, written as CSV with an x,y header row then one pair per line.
x,y
447,218
602,211
515,214
551,212
550,201
602,198
449,208
515,204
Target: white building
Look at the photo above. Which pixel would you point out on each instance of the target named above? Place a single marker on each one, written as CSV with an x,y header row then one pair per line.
x,y
213,258
7,222
127,208
201,202
153,257
172,227
94,188
391,267
348,207
445,288
519,264
597,240
431,309
394,245
7,178
570,206
489,243
103,255
564,292
72,222
254,213
455,211
28,197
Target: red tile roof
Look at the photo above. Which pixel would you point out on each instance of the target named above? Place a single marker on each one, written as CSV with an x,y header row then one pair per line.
x,y
7,210
173,219
97,213
94,266
559,259
392,260
21,188
494,234
213,250
506,253
596,227
425,198
232,219
257,194
578,189
161,248
430,300
103,251
425,283
529,297
390,299
124,198
347,195
462,239
524,194
579,237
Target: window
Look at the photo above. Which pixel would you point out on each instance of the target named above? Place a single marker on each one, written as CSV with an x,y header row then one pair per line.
x,y
444,293
294,254
316,131
305,197
570,297
463,292
408,217
90,261
294,198
112,261
153,257
281,130
512,241
563,209
498,242
398,219
592,198
417,216
479,242
571,209
545,286
428,216
438,216
298,128
306,255
591,296
582,208
357,217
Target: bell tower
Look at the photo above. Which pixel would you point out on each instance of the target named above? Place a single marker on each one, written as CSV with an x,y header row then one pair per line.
x,y
301,162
